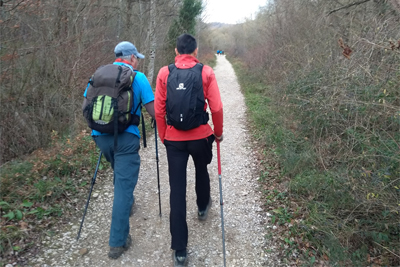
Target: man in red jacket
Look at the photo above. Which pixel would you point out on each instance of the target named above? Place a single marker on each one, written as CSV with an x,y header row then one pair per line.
x,y
179,143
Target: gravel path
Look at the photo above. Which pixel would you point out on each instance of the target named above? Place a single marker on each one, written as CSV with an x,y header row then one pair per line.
x,y
243,216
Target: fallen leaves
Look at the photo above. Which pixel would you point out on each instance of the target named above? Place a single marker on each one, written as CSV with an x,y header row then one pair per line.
x,y
23,225
346,49
393,46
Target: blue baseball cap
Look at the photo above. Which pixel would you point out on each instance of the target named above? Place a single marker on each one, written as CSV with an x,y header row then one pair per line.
x,y
126,49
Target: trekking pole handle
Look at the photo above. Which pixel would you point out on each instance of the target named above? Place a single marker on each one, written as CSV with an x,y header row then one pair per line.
x,y
219,156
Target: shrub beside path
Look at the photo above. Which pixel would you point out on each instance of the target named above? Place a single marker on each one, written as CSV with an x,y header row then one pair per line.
x,y
243,215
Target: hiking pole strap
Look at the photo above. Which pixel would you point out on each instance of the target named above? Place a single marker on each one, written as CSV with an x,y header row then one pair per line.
x,y
219,157
90,193
144,131
115,126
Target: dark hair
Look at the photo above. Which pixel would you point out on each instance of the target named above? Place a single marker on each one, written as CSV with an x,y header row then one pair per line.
x,y
186,44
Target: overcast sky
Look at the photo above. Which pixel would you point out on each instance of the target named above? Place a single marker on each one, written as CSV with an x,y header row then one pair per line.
x,y
231,11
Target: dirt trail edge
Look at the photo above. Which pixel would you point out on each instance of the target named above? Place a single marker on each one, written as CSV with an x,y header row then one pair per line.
x,y
244,218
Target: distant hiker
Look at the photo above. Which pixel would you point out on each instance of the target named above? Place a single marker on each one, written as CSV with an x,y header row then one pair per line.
x,y
218,52
110,86
222,52
182,122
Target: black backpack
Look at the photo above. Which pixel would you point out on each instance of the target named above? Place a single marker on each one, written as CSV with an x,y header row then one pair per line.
x,y
185,98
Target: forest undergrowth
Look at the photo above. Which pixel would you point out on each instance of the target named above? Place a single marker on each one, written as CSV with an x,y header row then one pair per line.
x,y
343,210
42,191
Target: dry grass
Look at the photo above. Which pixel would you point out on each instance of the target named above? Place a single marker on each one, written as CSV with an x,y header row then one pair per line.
x,y
334,81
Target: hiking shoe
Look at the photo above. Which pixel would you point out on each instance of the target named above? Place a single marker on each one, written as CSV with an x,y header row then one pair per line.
x,y
115,252
180,258
202,215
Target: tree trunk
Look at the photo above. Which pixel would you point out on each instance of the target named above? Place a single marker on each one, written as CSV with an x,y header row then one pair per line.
x,y
119,19
128,17
152,40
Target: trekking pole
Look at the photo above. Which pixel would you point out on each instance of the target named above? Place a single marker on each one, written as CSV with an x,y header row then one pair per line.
x,y
144,132
221,202
90,192
158,173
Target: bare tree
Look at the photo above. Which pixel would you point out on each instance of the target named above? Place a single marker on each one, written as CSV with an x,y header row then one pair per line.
x,y
152,39
50,48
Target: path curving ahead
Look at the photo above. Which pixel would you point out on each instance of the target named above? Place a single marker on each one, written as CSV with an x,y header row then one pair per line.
x,y
243,215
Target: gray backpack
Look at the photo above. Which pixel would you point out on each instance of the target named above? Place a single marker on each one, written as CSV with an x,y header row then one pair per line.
x,y
109,99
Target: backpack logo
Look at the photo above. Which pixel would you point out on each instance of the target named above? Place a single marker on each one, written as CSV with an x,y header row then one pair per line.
x,y
101,122
181,87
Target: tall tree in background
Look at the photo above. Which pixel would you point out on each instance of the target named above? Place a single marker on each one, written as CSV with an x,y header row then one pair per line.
x,y
185,23
153,40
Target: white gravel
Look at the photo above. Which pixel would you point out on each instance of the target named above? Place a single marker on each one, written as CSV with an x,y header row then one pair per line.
x,y
243,216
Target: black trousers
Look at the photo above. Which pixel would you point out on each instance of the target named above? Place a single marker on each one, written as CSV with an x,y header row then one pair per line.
x,y
178,153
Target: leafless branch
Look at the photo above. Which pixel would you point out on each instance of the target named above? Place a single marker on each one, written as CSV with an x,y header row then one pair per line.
x,y
377,45
15,6
347,6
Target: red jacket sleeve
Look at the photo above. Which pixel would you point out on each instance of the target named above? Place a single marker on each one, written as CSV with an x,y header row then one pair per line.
x,y
213,97
159,102
218,120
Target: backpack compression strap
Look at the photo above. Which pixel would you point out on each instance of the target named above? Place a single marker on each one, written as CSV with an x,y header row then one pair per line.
x,y
117,81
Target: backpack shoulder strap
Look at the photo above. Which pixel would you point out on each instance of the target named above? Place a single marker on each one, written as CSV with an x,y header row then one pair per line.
x,y
140,103
171,67
199,66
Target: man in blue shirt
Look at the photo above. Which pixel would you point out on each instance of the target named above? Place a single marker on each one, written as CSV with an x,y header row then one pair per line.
x,y
126,160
